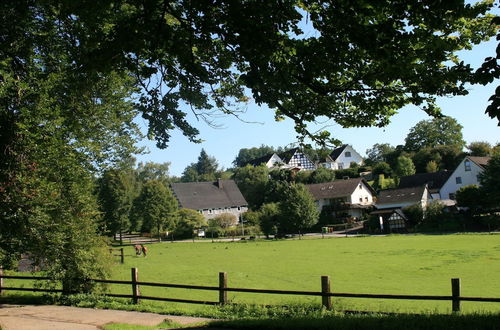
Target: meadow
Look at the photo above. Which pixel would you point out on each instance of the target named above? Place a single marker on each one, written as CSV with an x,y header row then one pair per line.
x,y
395,264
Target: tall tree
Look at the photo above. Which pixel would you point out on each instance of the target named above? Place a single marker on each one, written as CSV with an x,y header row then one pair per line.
x,y
435,132
205,169
404,166
157,206
480,148
490,182
378,153
252,182
298,210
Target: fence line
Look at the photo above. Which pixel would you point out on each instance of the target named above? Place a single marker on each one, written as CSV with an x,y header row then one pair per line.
x,y
325,293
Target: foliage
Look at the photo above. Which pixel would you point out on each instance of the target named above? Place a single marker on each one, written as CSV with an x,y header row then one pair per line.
x,y
297,209
446,157
251,218
157,206
382,168
153,171
490,182
247,154
321,175
269,218
471,197
252,183
480,148
431,167
224,221
435,132
346,172
378,153
205,169
207,56
187,222
404,166
117,190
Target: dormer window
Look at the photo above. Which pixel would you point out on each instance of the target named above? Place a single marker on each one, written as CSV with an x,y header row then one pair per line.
x,y
467,165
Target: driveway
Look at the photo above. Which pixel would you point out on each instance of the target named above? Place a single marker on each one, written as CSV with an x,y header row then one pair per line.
x,y
15,317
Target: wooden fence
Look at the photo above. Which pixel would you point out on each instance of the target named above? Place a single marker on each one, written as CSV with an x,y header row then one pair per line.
x,y
326,294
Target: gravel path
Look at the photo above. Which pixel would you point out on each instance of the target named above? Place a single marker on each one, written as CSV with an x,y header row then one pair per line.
x,y
15,317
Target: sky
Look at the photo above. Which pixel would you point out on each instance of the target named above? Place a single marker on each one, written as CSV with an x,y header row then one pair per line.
x,y
224,143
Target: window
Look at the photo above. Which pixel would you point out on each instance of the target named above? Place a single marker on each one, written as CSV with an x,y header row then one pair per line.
x,y
347,154
341,166
458,180
360,186
467,165
361,199
366,199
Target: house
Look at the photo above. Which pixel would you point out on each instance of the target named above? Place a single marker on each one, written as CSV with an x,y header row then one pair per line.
x,y
211,198
434,182
466,173
391,220
290,159
341,158
354,196
399,198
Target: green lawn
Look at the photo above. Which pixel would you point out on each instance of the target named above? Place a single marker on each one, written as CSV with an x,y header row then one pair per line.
x,y
420,264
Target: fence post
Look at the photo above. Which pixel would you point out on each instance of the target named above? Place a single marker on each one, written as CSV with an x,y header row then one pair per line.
x,y
135,287
122,256
455,293
222,287
325,288
1,280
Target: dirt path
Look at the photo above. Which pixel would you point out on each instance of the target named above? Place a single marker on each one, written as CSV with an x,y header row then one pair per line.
x,y
15,317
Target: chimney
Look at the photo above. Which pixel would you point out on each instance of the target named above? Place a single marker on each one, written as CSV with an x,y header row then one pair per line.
x,y
219,183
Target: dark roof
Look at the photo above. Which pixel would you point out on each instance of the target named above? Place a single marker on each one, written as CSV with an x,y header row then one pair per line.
x,y
205,195
260,160
390,212
434,180
336,189
401,195
337,152
480,161
287,155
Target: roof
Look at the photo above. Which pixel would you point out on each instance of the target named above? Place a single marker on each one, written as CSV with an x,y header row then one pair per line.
x,y
434,180
401,195
205,195
480,161
390,211
336,189
260,160
287,155
337,152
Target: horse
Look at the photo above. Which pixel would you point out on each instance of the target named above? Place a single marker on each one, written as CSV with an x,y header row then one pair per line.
x,y
138,249
144,250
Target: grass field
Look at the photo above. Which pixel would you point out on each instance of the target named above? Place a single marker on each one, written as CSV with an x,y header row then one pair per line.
x,y
406,264
420,264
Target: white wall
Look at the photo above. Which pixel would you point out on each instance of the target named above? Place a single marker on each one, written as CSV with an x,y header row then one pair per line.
x,y
345,162
467,178
362,192
212,213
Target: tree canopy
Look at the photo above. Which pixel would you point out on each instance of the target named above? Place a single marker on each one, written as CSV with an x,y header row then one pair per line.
x,y
354,62
435,132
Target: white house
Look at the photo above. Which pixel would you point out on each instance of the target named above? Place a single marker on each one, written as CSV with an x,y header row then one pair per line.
x,y
355,194
291,159
466,173
402,197
435,182
342,157
211,198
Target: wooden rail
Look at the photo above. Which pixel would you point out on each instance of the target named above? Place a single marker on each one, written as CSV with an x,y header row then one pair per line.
x,y
325,293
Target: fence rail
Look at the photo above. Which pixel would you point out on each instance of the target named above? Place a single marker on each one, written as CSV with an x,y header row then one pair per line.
x,y
325,293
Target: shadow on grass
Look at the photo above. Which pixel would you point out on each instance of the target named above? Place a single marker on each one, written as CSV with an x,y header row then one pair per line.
x,y
368,321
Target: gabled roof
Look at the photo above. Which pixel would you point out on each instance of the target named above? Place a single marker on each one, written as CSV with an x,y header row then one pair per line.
x,y
401,195
434,180
337,152
206,195
480,161
260,160
336,189
287,155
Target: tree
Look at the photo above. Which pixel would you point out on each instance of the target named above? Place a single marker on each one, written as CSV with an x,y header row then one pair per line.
x,y
252,182
404,167
269,218
247,154
157,206
187,222
435,132
205,169
298,210
480,148
382,168
446,157
431,167
321,175
378,153
358,64
153,171
117,190
490,182
471,197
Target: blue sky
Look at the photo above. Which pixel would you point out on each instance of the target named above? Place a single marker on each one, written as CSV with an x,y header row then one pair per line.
x,y
224,143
